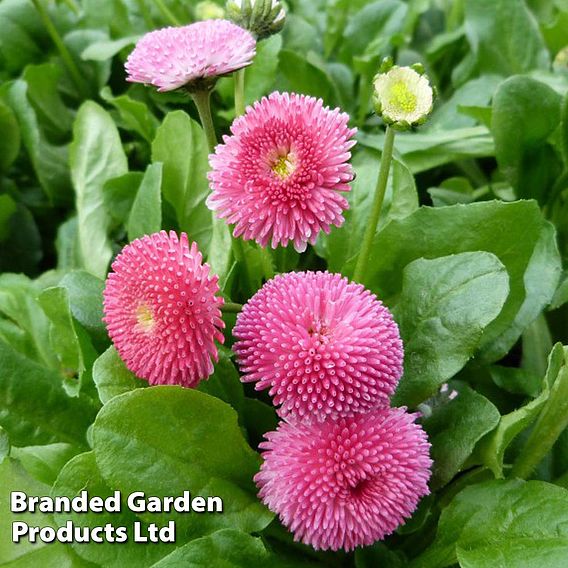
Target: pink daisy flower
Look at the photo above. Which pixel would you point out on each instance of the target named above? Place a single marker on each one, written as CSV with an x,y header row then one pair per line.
x,y
322,345
279,177
348,482
161,310
191,56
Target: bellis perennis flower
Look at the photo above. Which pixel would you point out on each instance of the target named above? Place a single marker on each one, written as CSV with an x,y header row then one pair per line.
x,y
191,56
322,345
403,96
348,482
161,310
279,176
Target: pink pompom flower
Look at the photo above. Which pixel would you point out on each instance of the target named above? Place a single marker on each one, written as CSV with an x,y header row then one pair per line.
x,y
348,482
279,177
322,345
193,56
161,310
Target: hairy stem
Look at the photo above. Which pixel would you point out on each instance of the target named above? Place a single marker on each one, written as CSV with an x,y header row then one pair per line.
x,y
202,102
379,198
240,92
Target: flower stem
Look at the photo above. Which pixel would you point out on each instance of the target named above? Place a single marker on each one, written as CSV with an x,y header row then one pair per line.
x,y
231,308
240,92
551,422
167,13
380,191
62,48
201,100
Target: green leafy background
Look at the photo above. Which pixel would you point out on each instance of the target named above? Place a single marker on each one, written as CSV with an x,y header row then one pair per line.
x,y
470,255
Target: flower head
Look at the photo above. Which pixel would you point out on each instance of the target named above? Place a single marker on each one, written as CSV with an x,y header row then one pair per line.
x,y
322,345
191,56
403,95
348,482
280,174
161,310
262,17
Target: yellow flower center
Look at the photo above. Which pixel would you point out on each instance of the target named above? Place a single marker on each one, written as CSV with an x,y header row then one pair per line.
x,y
402,98
283,167
144,318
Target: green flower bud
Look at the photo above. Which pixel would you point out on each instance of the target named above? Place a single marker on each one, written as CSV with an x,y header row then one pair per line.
x,y
262,18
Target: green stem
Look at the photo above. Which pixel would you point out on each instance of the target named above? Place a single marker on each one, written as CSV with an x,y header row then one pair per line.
x,y
380,191
62,48
72,6
201,100
167,13
231,308
240,92
551,422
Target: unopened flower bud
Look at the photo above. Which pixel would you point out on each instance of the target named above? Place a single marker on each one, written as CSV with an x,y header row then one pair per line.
x,y
403,96
262,18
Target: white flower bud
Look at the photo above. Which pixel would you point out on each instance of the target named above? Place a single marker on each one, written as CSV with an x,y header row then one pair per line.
x,y
403,96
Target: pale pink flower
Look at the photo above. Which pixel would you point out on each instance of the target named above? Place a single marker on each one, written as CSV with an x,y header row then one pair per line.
x,y
348,482
191,55
161,310
322,345
279,177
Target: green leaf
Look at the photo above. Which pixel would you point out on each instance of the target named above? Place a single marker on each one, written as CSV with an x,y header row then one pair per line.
x,y
445,305
112,377
45,462
18,303
81,473
561,295
521,129
454,428
13,477
299,75
181,146
192,442
49,161
4,444
135,115
514,232
475,93
119,194
492,450
42,81
226,548
67,245
10,140
96,155
22,35
146,214
423,151
504,37
512,523
371,29
106,49
86,300
225,383
73,348
34,408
